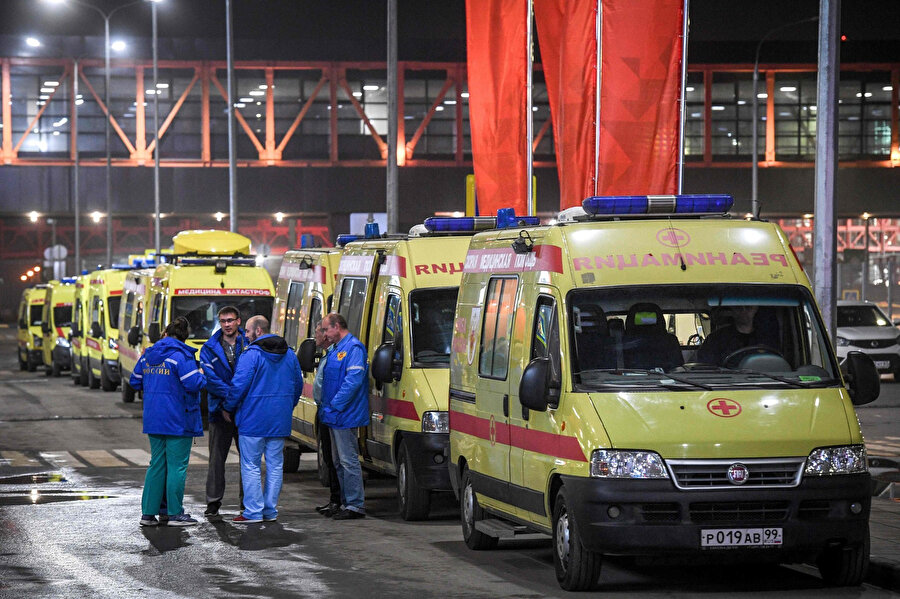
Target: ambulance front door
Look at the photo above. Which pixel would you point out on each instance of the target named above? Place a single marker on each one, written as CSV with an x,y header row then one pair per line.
x,y
490,477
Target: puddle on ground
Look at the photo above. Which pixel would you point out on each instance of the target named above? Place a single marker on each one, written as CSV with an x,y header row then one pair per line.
x,y
38,498
27,479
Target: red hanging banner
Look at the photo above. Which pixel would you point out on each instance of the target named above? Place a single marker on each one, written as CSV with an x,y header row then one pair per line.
x,y
640,81
497,63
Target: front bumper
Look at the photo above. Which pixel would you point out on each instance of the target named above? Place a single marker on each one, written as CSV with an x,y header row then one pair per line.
x,y
62,356
886,360
112,370
655,518
429,453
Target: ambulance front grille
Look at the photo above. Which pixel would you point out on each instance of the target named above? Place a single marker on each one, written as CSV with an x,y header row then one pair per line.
x,y
713,474
755,511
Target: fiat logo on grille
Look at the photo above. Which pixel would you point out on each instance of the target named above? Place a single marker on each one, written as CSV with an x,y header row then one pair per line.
x,y
738,474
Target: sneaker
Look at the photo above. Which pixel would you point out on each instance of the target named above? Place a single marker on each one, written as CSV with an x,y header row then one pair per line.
x,y
328,506
182,520
330,512
148,520
212,508
348,515
241,520
270,518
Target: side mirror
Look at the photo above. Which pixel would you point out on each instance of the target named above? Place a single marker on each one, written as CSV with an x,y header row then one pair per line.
x,y
306,355
534,387
384,367
96,331
153,332
863,381
45,328
134,335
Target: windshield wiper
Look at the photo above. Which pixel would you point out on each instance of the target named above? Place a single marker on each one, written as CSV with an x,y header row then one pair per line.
x,y
626,372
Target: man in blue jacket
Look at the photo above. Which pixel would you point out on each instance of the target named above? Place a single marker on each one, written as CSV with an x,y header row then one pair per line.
x,y
219,357
264,390
344,408
171,381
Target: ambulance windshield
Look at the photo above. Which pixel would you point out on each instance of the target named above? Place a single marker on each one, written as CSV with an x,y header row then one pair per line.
x,y
201,311
431,315
690,337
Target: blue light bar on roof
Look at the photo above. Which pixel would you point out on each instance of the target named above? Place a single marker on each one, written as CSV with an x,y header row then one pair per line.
x,y
673,204
346,238
461,224
68,280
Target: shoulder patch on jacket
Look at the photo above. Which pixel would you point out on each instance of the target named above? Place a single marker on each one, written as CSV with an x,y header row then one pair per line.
x,y
341,355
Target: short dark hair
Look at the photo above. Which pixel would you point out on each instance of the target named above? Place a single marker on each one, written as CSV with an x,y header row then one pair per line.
x,y
336,318
179,328
229,310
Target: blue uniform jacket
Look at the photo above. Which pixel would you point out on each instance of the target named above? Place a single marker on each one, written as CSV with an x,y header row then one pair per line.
x,y
218,371
265,388
345,385
171,380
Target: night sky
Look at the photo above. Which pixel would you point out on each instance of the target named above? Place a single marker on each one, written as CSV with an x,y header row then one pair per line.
x,y
434,30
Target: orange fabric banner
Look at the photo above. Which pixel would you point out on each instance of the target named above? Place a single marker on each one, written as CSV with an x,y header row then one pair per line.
x,y
639,93
497,62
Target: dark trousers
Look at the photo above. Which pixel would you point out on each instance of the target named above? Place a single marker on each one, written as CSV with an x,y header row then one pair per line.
x,y
325,448
221,435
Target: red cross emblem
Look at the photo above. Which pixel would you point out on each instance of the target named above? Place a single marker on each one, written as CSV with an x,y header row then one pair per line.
x,y
493,431
726,408
673,238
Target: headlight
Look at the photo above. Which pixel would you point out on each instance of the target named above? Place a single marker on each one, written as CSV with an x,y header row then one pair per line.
x,y
62,342
845,459
842,342
38,342
436,422
113,344
611,463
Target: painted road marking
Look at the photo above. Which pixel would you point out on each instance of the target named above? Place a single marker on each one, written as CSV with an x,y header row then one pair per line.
x,y
61,459
138,457
101,458
18,458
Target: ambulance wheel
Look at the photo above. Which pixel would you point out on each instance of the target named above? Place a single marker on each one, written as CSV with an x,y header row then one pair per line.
x,y
56,368
23,365
845,566
48,370
577,569
291,458
32,366
470,513
93,382
321,467
105,381
414,500
83,377
127,392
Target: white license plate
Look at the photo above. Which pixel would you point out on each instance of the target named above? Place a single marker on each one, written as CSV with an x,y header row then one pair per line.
x,y
741,537
882,364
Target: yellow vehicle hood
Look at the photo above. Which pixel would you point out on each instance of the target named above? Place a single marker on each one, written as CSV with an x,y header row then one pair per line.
x,y
728,424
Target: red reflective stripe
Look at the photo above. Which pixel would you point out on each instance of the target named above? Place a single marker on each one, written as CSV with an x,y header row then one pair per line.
x,y
399,408
93,344
560,446
129,353
116,292
61,304
59,332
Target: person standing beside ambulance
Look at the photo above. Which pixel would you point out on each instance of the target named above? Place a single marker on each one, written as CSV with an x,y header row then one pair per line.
x,y
171,381
219,357
334,486
344,408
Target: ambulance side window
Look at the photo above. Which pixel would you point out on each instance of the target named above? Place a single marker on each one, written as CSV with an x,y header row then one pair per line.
x,y
352,302
76,316
128,314
392,332
545,339
292,312
96,310
155,310
315,317
497,327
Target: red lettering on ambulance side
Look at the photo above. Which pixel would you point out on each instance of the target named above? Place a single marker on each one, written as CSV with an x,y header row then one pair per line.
x,y
695,258
711,258
580,263
436,268
422,269
739,258
759,259
609,261
672,259
650,260
779,258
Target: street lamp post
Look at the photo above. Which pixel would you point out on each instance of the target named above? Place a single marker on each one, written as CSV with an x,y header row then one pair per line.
x,y
106,17
754,190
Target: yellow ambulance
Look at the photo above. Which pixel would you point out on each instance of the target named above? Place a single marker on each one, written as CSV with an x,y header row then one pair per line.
x,y
303,296
650,377
29,335
398,294
207,270
101,338
80,325
56,325
133,338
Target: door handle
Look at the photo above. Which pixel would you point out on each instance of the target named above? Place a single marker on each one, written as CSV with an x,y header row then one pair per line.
x,y
506,406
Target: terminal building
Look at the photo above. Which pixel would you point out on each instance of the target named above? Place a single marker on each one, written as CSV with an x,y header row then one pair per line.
x,y
312,127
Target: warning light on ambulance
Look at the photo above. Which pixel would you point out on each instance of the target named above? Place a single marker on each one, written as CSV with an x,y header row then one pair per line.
x,y
663,204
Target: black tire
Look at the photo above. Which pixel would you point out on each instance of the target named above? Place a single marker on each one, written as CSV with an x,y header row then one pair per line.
x,y
470,513
32,366
128,391
845,566
414,501
106,383
48,370
291,458
577,569
321,467
23,364
56,369
93,381
83,378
